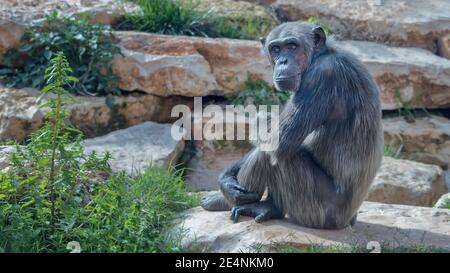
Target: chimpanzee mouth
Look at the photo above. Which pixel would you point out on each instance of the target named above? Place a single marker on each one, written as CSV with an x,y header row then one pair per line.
x,y
288,84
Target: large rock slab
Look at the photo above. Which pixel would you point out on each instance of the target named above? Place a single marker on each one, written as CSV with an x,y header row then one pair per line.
x,y
191,66
426,139
408,77
20,114
137,147
11,34
393,225
187,66
411,23
407,182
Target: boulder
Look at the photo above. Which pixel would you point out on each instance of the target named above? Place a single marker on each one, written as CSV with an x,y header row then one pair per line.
x,y
443,202
411,23
20,114
10,37
407,77
209,161
444,46
187,66
95,117
426,139
192,66
391,225
137,147
407,182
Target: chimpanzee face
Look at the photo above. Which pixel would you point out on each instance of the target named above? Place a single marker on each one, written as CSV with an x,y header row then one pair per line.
x,y
290,52
288,57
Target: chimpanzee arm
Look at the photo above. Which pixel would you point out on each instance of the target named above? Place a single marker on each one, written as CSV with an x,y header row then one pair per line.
x,y
234,193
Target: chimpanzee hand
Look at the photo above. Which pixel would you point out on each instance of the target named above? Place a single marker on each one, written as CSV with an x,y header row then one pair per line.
x,y
238,195
261,211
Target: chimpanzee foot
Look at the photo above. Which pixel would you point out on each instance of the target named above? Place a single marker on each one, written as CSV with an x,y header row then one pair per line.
x,y
261,211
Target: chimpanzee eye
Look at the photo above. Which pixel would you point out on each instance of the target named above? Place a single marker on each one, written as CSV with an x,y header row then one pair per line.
x,y
292,46
275,49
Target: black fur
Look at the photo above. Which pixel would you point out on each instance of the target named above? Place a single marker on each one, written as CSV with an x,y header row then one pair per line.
x,y
330,138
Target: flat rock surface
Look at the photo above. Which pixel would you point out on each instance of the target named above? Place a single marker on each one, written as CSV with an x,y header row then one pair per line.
x,y
426,139
407,182
395,225
413,23
136,147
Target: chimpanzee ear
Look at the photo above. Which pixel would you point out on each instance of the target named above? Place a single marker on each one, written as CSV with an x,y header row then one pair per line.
x,y
319,37
263,41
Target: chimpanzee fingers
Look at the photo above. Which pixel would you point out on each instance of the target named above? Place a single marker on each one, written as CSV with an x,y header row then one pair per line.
x,y
247,198
240,188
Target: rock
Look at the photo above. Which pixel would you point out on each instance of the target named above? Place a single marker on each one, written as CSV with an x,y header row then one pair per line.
x,y
209,161
426,140
20,114
187,66
191,66
95,118
99,11
411,23
137,147
5,156
407,182
10,36
444,46
406,76
393,225
443,202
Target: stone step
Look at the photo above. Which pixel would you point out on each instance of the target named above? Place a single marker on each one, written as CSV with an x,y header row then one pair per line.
x,y
426,139
20,114
192,66
407,182
137,147
411,23
132,149
392,225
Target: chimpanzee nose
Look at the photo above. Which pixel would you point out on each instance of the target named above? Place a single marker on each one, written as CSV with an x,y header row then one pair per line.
x,y
282,60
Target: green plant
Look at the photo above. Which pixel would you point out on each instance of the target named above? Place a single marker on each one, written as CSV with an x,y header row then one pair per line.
x,y
174,17
258,92
393,150
196,18
447,205
88,47
317,22
53,193
406,108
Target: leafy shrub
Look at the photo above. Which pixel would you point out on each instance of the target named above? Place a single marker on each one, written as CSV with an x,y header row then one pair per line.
x,y
174,17
89,49
258,92
53,193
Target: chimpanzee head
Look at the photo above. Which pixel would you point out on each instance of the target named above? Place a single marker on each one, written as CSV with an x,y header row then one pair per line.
x,y
290,47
